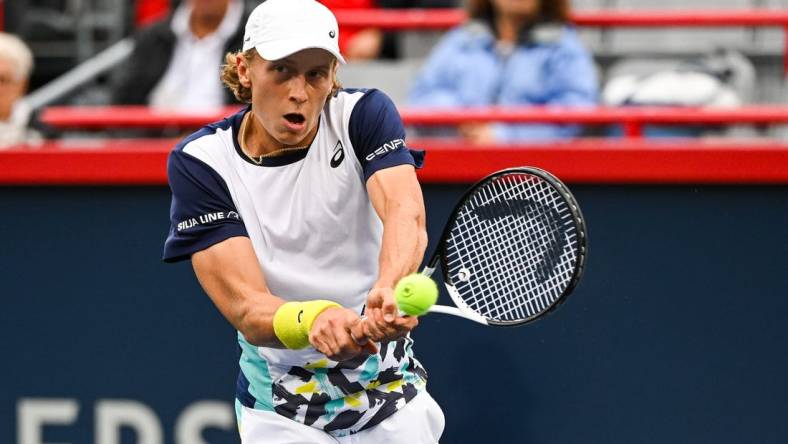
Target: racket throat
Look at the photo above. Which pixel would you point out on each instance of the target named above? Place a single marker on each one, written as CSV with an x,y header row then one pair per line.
x,y
462,308
457,312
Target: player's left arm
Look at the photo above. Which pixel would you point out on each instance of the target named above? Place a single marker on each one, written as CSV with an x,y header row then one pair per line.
x,y
396,196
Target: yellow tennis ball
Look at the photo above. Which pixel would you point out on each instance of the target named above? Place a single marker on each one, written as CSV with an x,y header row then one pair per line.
x,y
415,294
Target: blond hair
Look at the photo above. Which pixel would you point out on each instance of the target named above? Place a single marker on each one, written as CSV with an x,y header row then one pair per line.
x,y
231,80
12,48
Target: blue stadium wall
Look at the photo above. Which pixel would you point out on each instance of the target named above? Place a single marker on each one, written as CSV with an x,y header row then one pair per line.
x,y
677,333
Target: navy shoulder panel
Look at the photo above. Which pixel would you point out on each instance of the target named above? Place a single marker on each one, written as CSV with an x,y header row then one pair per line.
x,y
378,135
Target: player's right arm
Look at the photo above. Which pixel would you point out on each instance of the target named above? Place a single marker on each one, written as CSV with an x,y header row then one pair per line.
x,y
206,227
229,273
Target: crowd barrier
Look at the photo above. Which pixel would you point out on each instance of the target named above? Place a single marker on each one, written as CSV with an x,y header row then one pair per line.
x,y
439,19
631,159
633,119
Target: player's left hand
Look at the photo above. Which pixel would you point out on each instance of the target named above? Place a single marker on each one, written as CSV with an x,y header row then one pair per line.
x,y
383,322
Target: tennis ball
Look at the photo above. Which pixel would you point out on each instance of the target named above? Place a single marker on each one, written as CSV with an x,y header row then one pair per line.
x,y
415,294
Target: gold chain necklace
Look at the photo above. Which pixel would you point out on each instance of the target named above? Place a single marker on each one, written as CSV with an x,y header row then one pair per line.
x,y
258,160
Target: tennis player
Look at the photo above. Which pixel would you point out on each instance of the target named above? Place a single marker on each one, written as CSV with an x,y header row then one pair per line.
x,y
299,214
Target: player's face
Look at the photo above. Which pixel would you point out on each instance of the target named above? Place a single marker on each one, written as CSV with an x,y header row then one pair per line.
x,y
288,94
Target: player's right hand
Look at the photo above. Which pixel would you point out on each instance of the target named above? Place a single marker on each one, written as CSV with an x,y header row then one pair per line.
x,y
330,335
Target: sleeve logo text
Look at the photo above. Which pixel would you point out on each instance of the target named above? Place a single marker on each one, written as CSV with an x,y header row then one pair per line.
x,y
385,148
206,219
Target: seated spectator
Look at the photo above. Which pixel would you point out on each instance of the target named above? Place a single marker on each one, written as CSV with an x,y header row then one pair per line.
x,y
510,53
357,43
167,67
16,64
392,45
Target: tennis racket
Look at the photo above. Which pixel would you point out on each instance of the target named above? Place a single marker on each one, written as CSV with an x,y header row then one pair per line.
x,y
513,249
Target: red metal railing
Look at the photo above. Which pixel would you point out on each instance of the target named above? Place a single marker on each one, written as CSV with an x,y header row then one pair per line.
x,y
632,118
609,161
436,19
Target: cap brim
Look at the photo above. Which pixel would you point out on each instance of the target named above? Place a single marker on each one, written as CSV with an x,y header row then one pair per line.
x,y
281,49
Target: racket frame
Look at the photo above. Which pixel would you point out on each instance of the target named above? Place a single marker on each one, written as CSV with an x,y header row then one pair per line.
x,y
439,255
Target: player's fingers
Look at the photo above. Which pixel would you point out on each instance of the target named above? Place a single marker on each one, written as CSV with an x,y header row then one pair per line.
x,y
374,300
375,326
406,322
390,310
358,332
320,346
396,324
347,344
333,348
324,335
401,328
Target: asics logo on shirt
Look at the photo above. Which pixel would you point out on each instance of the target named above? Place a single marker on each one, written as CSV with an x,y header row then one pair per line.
x,y
339,155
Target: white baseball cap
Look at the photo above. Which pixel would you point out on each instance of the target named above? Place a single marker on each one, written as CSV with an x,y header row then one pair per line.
x,y
278,28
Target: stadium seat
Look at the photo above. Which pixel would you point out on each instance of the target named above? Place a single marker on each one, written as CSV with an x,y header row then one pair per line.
x,y
678,40
392,77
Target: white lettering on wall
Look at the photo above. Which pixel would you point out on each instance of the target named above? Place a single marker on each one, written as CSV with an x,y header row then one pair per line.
x,y
112,414
202,415
33,414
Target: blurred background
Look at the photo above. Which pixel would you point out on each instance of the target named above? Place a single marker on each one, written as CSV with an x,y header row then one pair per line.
x,y
667,119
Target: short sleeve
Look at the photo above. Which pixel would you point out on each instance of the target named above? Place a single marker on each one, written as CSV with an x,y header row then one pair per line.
x,y
202,212
378,135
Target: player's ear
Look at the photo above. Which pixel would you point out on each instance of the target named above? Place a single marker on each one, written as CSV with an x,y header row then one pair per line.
x,y
242,64
335,84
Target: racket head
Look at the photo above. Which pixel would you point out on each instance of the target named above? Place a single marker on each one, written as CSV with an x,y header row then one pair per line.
x,y
514,247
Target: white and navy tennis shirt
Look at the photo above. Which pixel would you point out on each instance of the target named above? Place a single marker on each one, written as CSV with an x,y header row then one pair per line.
x,y
316,236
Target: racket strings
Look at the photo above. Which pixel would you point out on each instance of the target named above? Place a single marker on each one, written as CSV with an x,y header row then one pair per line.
x,y
507,284
504,253
539,267
506,258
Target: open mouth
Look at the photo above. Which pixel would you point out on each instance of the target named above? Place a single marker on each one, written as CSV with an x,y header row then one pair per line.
x,y
295,118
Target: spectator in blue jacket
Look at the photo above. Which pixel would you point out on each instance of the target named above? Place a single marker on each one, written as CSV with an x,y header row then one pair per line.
x,y
511,52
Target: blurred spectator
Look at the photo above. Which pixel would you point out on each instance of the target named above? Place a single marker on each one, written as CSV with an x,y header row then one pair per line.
x,y
167,68
392,46
511,52
370,43
357,43
16,64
